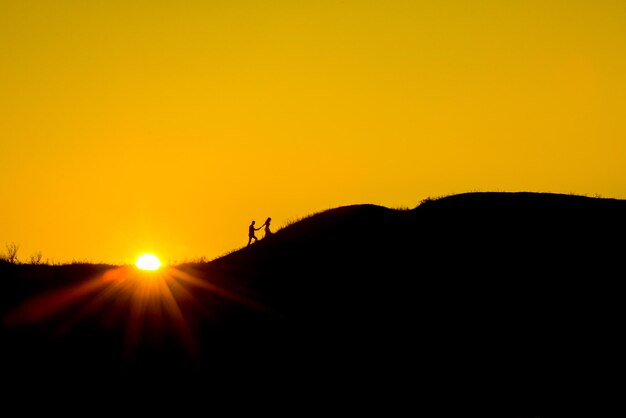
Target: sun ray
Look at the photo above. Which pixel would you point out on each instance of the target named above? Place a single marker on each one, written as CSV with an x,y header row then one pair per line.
x,y
144,306
142,294
45,306
97,304
181,326
206,285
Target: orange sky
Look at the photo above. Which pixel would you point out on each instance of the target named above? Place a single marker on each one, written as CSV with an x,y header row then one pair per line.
x,y
167,126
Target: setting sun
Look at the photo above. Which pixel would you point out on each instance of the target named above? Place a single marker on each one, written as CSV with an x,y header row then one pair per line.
x,y
148,262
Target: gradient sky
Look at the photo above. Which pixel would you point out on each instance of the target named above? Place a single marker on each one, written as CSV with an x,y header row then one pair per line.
x,y
129,126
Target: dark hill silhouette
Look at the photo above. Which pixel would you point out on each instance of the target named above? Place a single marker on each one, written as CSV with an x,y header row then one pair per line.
x,y
492,302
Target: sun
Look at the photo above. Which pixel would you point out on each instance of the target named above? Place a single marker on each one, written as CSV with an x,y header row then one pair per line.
x,y
148,262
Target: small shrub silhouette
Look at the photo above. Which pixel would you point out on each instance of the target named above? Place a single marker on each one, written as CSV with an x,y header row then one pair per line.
x,y
11,255
36,259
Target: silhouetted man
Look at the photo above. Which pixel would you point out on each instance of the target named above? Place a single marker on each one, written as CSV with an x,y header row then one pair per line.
x,y
251,235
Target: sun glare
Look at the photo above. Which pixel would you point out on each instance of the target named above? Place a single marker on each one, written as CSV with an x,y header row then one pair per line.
x,y
148,262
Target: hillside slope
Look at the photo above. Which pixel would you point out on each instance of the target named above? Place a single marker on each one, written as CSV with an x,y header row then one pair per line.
x,y
477,298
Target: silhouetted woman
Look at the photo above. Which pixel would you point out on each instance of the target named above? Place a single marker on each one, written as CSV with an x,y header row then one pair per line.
x,y
267,227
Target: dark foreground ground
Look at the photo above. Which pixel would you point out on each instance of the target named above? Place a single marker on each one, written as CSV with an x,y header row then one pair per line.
x,y
482,304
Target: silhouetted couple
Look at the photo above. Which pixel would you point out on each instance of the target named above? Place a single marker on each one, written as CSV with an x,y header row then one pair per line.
x,y
252,230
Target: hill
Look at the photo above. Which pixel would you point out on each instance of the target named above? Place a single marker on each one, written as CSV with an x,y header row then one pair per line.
x,y
497,302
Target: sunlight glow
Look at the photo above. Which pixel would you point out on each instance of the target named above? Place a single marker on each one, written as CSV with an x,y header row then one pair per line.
x,y
139,307
148,262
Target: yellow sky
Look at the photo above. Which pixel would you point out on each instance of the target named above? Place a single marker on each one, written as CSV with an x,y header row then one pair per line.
x,y
167,126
